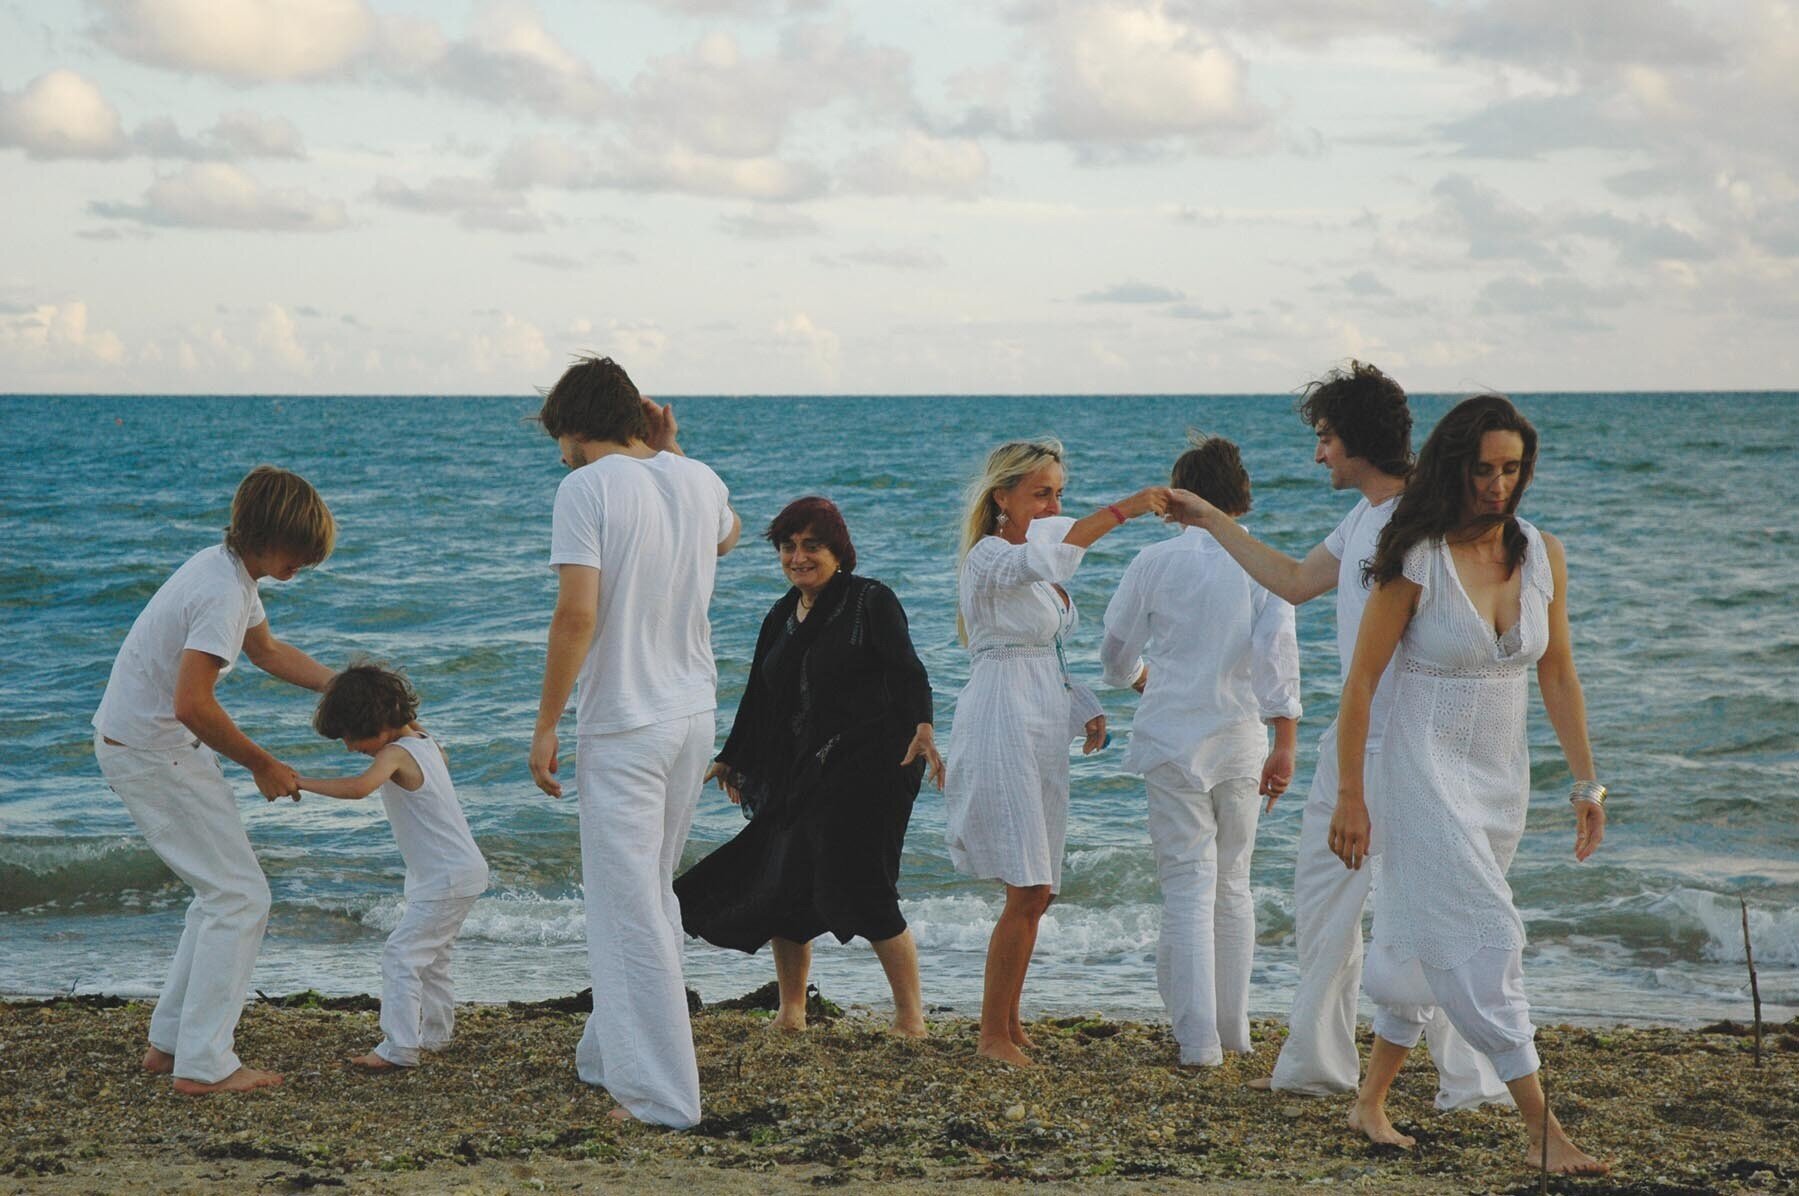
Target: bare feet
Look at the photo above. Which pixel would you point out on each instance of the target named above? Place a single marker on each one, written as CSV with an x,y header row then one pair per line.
x,y
914,1028
617,1113
1261,1084
372,1062
1565,1158
1371,1119
1020,1039
244,1079
1003,1050
791,1020
158,1063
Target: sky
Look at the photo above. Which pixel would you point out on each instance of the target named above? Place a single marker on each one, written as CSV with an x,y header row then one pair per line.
x,y
908,197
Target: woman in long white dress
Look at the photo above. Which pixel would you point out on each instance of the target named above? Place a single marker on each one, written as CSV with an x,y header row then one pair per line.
x,y
1470,596
1006,793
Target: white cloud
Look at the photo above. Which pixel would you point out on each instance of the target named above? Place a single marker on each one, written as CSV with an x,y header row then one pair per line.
x,y
56,337
476,203
920,164
552,162
217,195
817,348
277,335
768,224
508,345
508,58
236,135
61,115
897,259
1132,292
242,40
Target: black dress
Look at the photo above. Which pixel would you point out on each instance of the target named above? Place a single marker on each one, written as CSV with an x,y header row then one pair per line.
x,y
831,705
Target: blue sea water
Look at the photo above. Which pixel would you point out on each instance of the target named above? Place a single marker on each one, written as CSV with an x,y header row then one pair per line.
x,y
1678,511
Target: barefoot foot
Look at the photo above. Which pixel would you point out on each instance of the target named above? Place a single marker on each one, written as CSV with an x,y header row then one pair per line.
x,y
1371,1119
244,1079
1565,1158
617,1113
1003,1050
790,1020
372,1062
158,1063
909,1029
1021,1040
1261,1084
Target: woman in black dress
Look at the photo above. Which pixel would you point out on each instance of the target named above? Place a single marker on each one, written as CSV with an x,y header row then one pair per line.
x,y
832,738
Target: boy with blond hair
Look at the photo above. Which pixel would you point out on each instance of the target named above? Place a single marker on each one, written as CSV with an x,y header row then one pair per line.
x,y
158,735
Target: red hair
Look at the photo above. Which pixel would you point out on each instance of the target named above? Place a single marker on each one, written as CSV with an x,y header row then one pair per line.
x,y
823,519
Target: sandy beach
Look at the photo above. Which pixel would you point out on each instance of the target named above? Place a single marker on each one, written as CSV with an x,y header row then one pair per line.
x,y
1678,1112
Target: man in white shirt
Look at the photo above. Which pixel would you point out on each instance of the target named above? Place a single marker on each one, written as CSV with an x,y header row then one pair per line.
x,y
1215,658
1363,426
636,537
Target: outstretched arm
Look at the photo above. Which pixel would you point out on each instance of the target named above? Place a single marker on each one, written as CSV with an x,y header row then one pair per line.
x,y
197,707
571,632
388,761
1566,704
1295,580
1384,621
279,658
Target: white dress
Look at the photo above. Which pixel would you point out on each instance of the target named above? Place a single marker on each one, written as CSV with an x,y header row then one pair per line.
x,y
1006,795
1454,770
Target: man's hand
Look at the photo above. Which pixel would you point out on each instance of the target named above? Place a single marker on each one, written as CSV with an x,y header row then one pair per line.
x,y
727,780
924,743
1096,735
275,780
1186,507
1277,774
663,427
544,763
1350,831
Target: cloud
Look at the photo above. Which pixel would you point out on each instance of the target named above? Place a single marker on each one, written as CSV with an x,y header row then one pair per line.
x,y
768,225
277,336
1195,311
236,135
56,336
897,259
1492,227
507,345
217,195
920,164
242,40
1575,35
61,115
552,162
1127,72
476,203
1364,285
817,347
1132,292
1568,303
552,261
508,58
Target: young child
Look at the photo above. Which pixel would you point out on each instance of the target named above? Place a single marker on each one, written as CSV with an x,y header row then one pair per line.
x,y
158,735
372,710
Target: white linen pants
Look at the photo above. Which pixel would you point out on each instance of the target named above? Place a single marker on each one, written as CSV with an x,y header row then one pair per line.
x,y
638,790
185,808
1319,1056
418,1004
1203,839
1483,998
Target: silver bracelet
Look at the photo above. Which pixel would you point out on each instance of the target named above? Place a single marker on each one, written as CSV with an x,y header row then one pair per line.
x,y
1591,791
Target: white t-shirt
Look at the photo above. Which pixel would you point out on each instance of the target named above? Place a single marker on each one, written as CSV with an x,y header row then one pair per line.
x,y
207,605
441,857
1353,543
1223,660
652,527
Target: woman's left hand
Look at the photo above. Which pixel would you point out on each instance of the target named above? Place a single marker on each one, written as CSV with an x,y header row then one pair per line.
x,y
924,743
1096,735
1589,828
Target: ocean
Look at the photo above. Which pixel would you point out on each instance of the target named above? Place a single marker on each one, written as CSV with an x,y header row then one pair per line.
x,y
1678,512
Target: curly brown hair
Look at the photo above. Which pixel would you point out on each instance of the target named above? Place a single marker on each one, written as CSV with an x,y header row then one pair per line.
x,y
594,400
364,700
1367,411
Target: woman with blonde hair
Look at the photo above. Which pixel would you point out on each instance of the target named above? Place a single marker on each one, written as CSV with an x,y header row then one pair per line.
x,y
1006,796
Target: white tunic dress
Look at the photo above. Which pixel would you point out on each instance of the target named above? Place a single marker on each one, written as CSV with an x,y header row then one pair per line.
x,y
1454,770
1006,795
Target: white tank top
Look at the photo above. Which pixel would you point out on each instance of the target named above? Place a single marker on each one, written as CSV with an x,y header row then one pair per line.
x,y
440,853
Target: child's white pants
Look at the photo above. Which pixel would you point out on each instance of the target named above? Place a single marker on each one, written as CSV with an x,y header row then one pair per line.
x,y
180,800
418,1005
638,790
1319,1055
1483,998
1203,840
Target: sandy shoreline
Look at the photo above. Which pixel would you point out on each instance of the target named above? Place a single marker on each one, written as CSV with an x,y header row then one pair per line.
x,y
1679,1112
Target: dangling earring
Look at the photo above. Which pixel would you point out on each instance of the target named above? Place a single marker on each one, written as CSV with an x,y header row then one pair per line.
x,y
999,520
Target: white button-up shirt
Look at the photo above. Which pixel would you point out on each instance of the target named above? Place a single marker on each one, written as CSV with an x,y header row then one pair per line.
x,y
1223,659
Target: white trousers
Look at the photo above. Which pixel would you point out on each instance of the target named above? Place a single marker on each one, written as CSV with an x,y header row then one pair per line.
x,y
1482,998
1203,840
180,800
418,1005
1319,1055
638,790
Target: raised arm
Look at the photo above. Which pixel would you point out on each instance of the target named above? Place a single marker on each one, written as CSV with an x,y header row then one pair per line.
x,y
1388,613
279,658
388,761
1295,580
197,707
1566,704
571,633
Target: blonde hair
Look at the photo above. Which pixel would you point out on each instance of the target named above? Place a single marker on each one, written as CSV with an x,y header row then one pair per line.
x,y
1006,466
277,510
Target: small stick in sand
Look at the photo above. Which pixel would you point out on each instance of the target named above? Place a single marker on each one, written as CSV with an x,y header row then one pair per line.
x,y
1755,992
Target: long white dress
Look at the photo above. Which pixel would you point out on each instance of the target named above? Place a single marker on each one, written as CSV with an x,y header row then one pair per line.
x,y
1454,770
1006,795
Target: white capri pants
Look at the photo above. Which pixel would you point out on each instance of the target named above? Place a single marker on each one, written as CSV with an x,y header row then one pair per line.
x,y
1203,839
418,1004
1319,1056
1483,999
185,808
638,790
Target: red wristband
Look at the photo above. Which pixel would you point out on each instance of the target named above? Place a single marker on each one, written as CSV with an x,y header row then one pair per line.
x,y
1116,513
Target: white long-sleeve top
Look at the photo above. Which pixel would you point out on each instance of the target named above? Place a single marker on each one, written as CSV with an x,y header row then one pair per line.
x,y
1222,654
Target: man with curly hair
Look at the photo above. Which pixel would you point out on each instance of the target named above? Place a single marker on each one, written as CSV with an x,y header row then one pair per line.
x,y
1363,427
